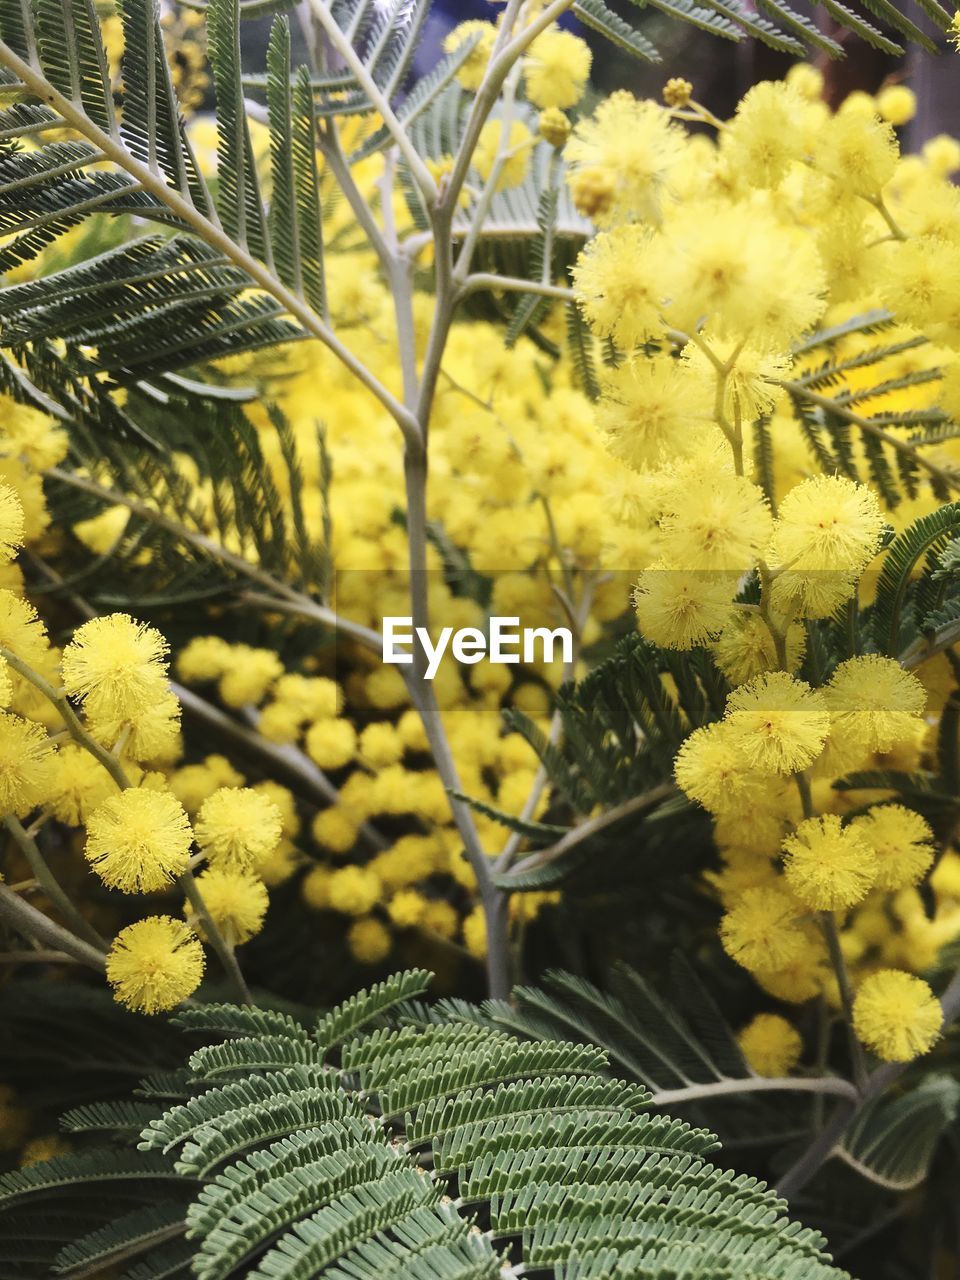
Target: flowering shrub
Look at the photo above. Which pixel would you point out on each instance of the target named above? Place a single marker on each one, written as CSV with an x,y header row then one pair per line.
x,y
686,387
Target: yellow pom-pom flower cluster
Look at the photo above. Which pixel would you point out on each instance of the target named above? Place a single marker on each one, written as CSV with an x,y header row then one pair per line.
x,y
706,264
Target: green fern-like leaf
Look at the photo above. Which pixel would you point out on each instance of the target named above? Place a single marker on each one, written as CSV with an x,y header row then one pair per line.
x,y
924,538
118,1240
596,14
893,1140
437,1147
122,1117
851,21
151,126
801,26
896,17
243,1021
369,1006
71,48
241,205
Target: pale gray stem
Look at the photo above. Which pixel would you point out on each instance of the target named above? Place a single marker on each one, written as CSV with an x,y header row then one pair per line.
x,y
829,1085
31,923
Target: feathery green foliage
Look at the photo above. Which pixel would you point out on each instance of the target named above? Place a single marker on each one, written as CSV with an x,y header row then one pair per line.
x,y
450,1148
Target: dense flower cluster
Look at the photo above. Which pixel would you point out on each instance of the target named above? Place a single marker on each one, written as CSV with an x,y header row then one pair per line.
x,y
711,260
839,223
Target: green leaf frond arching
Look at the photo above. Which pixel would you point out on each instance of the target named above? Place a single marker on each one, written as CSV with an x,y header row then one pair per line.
x,y
239,198
189,540
491,1152
598,15
621,727
893,1140
672,1042
802,26
151,125
368,1006
893,624
123,1116
850,20
127,1237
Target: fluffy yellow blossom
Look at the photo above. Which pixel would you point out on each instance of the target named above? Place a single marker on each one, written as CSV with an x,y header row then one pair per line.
x,y
380,744
829,866
237,827
335,829
11,523
553,127
441,918
800,979
284,801
280,864
80,784
778,724
897,104
652,410
203,658
116,665
618,280
154,964
764,138
710,770
32,436
897,1015
858,152
592,189
556,69
249,675
27,765
407,908
280,722
828,529
761,931
511,154
771,1045
750,389
902,842
475,933
369,940
332,743
139,841
315,888
483,35
921,280
634,146
316,697
151,737
21,631
236,901
736,282
354,891
942,154
726,529
678,609
195,782
874,702
745,648
805,80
